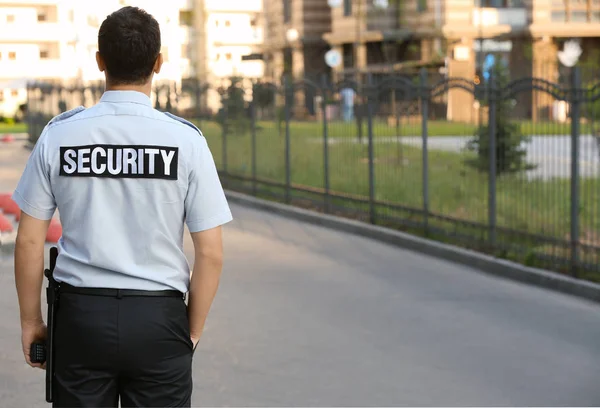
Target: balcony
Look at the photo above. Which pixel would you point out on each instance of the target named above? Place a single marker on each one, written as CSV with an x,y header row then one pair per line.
x,y
37,69
237,36
385,20
37,32
490,17
21,3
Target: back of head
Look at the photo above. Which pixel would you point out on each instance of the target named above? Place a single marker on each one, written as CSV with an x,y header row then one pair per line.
x,y
129,43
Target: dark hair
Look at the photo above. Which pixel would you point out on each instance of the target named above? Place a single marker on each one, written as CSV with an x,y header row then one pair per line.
x,y
129,43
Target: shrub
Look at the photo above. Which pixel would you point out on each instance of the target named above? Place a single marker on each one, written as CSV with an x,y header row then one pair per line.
x,y
510,140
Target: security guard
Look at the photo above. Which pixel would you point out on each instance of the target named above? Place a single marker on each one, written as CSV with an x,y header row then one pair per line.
x,y
125,179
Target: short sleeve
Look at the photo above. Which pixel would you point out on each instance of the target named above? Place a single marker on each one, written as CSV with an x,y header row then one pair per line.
x,y
34,194
206,206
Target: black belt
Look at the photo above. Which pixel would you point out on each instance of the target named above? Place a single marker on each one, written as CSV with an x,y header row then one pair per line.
x,y
118,293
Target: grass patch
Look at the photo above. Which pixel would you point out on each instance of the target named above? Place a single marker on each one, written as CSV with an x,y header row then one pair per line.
x,y
16,128
411,127
532,215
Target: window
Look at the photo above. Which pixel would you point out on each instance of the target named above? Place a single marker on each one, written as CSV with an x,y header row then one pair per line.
x,y
347,8
579,16
93,21
10,18
41,17
186,17
287,11
12,55
44,54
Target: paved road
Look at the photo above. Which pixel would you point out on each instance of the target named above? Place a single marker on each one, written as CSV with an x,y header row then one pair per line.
x,y
310,317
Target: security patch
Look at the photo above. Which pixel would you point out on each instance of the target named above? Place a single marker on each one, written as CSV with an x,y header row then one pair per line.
x,y
118,161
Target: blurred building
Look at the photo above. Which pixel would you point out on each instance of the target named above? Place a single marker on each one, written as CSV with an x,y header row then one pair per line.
x,y
56,41
294,41
231,35
460,38
294,46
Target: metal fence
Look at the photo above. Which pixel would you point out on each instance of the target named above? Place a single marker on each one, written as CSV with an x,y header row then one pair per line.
x,y
516,177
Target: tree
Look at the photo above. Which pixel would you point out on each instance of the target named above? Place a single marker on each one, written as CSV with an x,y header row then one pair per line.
x,y
233,115
510,140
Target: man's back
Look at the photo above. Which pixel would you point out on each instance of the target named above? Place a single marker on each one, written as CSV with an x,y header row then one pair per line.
x,y
125,177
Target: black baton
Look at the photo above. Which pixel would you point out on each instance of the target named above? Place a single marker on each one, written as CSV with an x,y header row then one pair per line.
x,y
41,352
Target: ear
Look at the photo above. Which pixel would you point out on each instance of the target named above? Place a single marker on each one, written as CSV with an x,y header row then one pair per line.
x,y
100,62
158,64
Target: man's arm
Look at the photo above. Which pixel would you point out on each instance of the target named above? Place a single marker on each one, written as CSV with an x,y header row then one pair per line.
x,y
29,276
208,264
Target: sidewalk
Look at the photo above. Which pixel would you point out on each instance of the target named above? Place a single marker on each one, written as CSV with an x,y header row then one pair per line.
x,y
13,158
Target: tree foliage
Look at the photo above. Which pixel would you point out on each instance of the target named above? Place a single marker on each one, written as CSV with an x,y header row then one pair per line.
x,y
510,140
233,115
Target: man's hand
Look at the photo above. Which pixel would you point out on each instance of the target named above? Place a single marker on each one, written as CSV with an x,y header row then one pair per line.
x,y
195,341
29,275
34,332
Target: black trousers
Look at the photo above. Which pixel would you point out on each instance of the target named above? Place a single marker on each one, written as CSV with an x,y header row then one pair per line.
x,y
133,349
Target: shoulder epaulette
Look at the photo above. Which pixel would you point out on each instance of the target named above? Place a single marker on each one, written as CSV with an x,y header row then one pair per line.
x,y
185,122
66,115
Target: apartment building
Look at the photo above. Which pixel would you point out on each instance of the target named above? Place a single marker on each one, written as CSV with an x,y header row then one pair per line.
x,y
232,33
56,41
463,35
294,43
294,46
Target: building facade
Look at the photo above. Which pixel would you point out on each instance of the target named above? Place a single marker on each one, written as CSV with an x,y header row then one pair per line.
x,y
56,41
463,36
294,43
232,33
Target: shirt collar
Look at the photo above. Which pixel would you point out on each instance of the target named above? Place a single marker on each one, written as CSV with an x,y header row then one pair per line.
x,y
126,97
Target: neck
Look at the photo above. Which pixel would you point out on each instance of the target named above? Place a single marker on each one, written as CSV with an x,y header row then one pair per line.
x,y
145,88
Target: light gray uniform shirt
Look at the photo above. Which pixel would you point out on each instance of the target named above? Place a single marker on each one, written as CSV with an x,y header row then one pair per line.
x,y
125,179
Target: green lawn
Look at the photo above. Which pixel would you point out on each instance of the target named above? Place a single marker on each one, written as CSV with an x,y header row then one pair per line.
x,y
17,128
338,129
455,189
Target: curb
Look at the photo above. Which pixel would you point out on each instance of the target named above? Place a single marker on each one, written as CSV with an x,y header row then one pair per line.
x,y
480,262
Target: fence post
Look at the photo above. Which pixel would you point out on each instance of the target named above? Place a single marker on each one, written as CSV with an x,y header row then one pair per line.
x,y
493,157
287,90
253,139
370,92
575,132
424,91
324,95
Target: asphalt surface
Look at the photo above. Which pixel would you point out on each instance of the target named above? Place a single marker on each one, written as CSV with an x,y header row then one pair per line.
x,y
306,316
